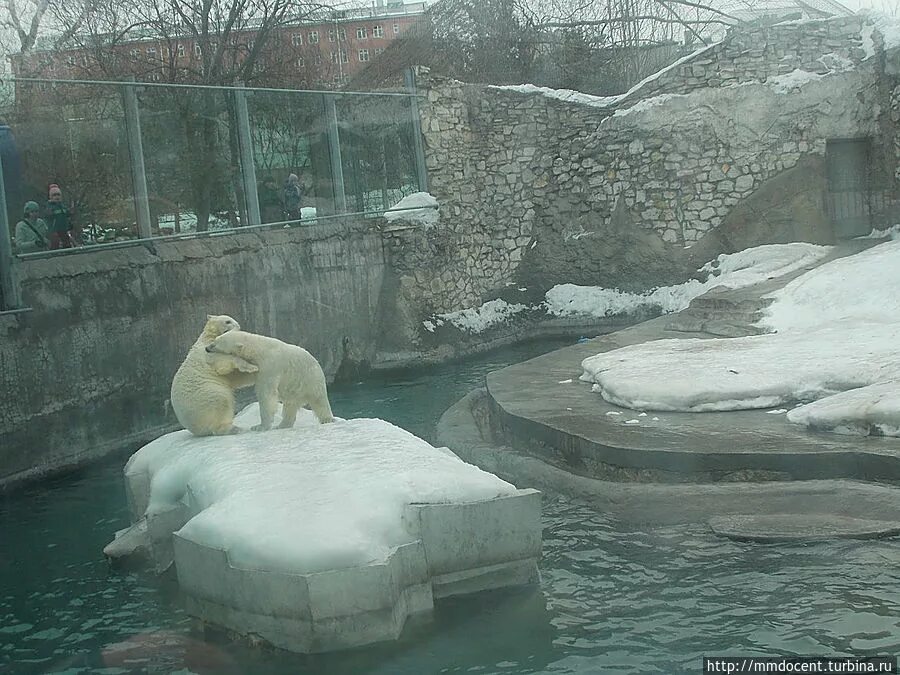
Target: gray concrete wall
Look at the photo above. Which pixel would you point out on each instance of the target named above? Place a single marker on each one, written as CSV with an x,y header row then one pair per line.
x,y
88,370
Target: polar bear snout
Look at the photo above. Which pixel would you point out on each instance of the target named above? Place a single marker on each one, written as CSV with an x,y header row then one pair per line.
x,y
209,348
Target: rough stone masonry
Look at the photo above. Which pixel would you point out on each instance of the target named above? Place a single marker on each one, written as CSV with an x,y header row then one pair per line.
x,y
723,150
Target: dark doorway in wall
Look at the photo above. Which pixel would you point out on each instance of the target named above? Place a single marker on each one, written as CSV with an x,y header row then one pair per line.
x,y
848,169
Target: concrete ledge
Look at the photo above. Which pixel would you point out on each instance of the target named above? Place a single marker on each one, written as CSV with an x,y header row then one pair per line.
x,y
542,407
467,427
305,612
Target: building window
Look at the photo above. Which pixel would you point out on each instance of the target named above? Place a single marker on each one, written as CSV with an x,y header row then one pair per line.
x,y
332,35
181,51
334,57
396,28
344,57
363,55
296,40
134,53
198,50
151,52
362,33
379,51
314,37
300,62
377,31
318,59
342,35
250,44
71,61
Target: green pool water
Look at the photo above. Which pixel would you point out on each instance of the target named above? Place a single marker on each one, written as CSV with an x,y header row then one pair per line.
x,y
612,599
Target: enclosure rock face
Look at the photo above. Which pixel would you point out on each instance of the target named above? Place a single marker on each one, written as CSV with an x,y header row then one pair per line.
x,y
540,187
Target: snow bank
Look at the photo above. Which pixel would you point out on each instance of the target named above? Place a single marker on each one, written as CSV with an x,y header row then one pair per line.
x,y
851,290
836,326
736,270
477,319
568,95
870,410
307,499
419,207
761,371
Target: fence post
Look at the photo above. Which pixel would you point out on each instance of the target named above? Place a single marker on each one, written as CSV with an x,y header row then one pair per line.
x,y
9,284
409,80
334,153
136,151
245,155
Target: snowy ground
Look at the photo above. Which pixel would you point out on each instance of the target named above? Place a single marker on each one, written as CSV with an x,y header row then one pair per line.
x,y
307,499
834,329
736,270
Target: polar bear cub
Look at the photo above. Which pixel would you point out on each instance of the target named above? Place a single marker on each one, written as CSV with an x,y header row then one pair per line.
x,y
202,394
286,372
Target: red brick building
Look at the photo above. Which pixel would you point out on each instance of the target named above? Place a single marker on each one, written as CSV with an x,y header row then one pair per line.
x,y
321,53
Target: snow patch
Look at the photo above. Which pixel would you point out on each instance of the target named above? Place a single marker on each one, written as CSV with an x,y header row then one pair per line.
x,y
837,329
784,84
735,270
865,411
479,319
419,207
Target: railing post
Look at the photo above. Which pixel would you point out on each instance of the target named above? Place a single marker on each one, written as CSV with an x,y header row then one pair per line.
x,y
245,155
409,79
8,282
136,151
334,154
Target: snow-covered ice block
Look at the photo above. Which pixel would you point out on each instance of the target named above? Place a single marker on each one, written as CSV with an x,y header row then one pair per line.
x,y
865,411
327,536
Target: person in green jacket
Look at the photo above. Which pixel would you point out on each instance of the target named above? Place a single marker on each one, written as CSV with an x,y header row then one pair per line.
x,y
31,231
59,221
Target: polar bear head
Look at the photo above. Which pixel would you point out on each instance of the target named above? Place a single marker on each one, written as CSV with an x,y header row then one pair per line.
x,y
217,324
233,342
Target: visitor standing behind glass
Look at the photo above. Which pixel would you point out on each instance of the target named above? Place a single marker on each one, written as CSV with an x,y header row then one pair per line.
x,y
291,196
31,231
59,221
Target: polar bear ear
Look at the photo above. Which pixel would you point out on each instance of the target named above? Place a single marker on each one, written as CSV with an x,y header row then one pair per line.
x,y
209,316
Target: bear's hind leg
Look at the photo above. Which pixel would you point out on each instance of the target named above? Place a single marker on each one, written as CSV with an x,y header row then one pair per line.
x,y
288,415
322,410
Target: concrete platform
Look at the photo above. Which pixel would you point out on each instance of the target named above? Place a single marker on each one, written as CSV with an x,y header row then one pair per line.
x,y
541,406
452,548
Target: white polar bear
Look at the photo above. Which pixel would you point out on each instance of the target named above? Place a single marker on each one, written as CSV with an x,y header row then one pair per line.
x,y
286,372
202,394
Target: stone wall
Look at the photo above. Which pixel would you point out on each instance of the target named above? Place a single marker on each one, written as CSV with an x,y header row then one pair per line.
x,y
757,54
540,187
89,368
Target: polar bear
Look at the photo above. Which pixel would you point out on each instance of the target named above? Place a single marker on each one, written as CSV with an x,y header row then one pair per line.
x,y
202,394
286,372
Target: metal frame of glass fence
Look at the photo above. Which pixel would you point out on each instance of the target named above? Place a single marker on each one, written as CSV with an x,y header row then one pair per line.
x,y
11,300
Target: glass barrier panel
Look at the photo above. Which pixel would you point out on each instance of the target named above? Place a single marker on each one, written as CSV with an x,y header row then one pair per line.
x,y
191,158
377,151
73,137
